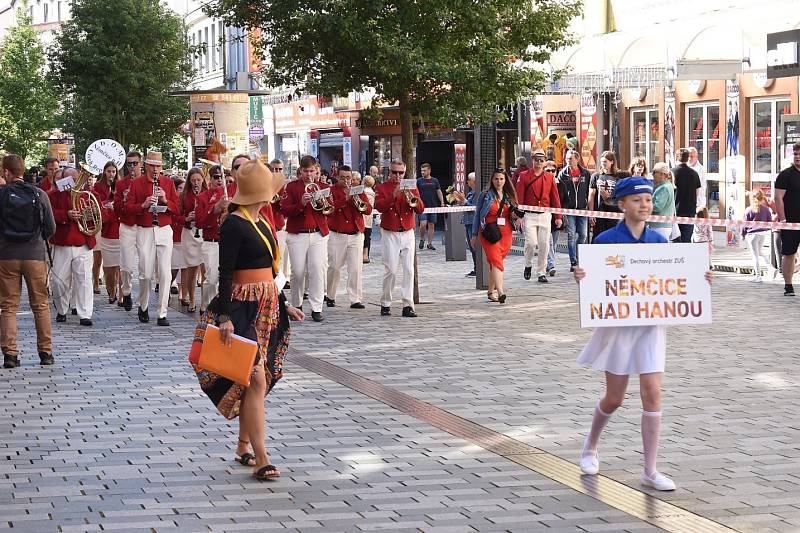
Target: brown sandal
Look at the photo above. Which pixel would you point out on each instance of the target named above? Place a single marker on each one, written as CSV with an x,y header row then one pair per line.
x,y
267,472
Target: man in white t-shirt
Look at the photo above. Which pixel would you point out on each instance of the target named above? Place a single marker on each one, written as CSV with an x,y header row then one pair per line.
x,y
694,164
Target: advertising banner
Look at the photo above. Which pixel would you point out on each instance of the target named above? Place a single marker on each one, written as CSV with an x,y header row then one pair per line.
x,y
537,121
460,177
734,164
644,285
669,126
588,134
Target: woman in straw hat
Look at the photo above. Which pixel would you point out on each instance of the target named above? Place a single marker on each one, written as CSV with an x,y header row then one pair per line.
x,y
249,304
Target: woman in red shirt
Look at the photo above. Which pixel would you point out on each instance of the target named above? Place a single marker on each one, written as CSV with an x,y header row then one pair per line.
x,y
107,252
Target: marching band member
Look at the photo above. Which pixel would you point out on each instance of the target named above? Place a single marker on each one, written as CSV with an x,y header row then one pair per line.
x,y
108,241
276,165
71,274
307,238
191,239
154,232
51,167
210,209
346,240
127,227
178,263
397,236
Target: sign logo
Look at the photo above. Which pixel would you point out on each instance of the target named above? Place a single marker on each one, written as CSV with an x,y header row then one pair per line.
x,y
616,261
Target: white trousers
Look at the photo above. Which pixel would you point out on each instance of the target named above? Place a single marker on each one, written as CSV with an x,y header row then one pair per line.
x,y
155,251
286,264
307,254
398,252
72,277
537,235
211,283
755,242
127,255
344,250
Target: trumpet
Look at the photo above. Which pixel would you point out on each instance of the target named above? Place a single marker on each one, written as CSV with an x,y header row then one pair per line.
x,y
410,198
85,203
322,205
360,204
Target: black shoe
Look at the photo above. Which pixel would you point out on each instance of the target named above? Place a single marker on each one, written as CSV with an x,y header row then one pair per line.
x,y
471,274
502,298
422,244
317,316
431,247
552,271
157,287
127,302
357,305
408,311
74,312
60,317
162,321
173,290
330,302
305,296
286,286
144,316
120,303
112,301
526,273
542,279
10,361
386,311
86,321
46,358
788,290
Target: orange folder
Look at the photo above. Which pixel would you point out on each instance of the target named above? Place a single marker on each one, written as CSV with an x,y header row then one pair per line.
x,y
234,362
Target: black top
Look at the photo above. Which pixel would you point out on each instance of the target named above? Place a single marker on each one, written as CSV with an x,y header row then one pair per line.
x,y
789,180
687,181
606,182
240,248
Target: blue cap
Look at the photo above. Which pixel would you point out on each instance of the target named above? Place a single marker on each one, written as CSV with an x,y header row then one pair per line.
x,y
632,185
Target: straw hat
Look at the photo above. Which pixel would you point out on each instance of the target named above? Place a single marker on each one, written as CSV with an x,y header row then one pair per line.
x,y
154,158
254,184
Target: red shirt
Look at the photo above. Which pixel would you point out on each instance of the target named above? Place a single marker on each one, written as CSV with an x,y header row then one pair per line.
x,y
189,203
46,185
277,214
299,217
140,190
204,215
345,217
396,214
67,233
538,190
120,196
110,220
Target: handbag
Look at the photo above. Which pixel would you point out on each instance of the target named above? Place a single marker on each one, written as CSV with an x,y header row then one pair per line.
x,y
491,230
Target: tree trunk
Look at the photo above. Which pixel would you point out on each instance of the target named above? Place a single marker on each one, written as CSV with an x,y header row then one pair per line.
x,y
407,151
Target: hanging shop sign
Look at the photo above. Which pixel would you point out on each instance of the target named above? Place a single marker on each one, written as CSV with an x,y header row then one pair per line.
x,y
562,122
588,133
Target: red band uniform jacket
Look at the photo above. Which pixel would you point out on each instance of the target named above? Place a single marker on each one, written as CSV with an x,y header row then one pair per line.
x,y
345,217
67,233
103,194
299,217
396,214
204,215
140,190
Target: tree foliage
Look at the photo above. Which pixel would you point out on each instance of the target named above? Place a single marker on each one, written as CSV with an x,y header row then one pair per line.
x,y
27,101
115,64
447,61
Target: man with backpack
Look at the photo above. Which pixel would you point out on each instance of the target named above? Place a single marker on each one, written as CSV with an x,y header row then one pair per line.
x,y
26,222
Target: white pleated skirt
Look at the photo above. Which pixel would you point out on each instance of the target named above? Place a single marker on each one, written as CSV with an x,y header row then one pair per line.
x,y
192,248
626,350
109,248
178,259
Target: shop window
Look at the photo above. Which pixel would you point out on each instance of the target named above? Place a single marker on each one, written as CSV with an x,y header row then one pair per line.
x,y
384,148
702,132
766,137
645,136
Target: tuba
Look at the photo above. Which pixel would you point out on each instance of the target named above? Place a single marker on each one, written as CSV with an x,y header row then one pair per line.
x,y
322,205
85,203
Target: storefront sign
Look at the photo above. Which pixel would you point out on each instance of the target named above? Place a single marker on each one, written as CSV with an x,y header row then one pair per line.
x,y
669,127
562,122
347,151
644,285
460,158
380,123
783,54
734,164
312,147
537,121
588,133
308,114
790,125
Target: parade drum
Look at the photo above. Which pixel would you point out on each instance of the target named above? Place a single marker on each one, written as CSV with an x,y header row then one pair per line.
x,y
101,152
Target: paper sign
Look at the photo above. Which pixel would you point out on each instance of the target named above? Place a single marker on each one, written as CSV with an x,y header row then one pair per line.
x,y
358,189
65,183
408,184
158,208
644,285
322,193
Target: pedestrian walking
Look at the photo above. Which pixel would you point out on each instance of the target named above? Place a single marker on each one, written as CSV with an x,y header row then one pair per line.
x,y
687,190
787,205
191,237
755,237
468,217
551,168
369,190
26,222
575,180
703,232
663,199
496,214
601,193
127,226
251,305
431,193
108,240
638,167
622,351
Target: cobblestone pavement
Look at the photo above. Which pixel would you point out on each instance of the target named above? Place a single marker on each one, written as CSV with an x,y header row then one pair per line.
x,y
117,436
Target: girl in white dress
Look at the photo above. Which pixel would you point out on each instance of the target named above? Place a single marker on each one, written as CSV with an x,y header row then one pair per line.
x,y
622,351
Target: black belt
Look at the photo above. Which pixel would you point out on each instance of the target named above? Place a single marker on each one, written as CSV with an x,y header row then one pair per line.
x,y
315,230
211,240
151,226
347,232
396,230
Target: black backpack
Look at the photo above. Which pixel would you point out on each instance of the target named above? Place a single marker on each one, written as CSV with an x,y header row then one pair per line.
x,y
21,216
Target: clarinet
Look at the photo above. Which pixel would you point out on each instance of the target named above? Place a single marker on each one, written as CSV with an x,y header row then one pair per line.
x,y
155,193
196,229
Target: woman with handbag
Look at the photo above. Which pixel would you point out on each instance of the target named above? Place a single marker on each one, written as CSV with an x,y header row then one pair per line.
x,y
495,211
249,304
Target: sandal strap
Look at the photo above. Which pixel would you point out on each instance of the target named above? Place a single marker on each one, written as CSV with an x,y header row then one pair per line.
x,y
244,441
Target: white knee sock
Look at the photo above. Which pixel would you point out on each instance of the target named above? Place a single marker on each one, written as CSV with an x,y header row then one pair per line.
x,y
651,428
599,421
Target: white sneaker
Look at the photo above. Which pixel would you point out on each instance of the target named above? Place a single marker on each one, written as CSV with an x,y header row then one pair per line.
x,y
590,464
756,279
658,481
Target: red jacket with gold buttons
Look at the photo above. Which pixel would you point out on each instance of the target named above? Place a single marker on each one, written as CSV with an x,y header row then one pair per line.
x,y
345,217
140,190
67,233
396,214
204,215
299,217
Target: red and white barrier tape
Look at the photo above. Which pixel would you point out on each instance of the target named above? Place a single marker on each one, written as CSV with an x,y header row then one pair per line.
x,y
618,216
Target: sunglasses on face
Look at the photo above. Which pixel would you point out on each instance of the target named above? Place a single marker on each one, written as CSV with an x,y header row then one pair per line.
x,y
132,163
277,169
397,172
550,169
539,159
216,176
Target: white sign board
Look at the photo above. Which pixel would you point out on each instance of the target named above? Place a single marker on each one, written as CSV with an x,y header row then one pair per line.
x,y
644,285
410,183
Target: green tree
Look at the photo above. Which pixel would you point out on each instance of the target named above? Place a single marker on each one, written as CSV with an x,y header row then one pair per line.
x,y
447,61
27,101
115,64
